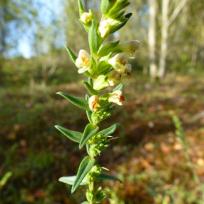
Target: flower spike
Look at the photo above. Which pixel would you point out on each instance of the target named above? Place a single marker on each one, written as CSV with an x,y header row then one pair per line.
x,y
105,64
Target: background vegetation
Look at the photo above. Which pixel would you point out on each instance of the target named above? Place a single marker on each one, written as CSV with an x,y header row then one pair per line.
x,y
158,150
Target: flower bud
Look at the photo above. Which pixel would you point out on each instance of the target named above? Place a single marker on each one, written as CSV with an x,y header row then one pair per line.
x,y
86,17
130,47
114,78
119,62
100,82
116,97
106,25
94,103
100,115
83,61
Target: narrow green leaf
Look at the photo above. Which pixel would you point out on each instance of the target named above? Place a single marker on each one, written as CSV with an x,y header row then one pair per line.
x,y
72,135
89,113
71,179
108,131
106,5
119,15
84,168
94,38
90,89
79,102
71,54
81,7
103,177
103,68
89,131
124,21
118,6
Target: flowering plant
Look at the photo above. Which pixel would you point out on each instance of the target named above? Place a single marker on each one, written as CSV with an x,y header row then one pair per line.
x,y
105,67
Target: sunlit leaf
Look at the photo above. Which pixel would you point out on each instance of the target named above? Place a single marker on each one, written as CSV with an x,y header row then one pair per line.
x,y
123,22
106,5
71,54
71,179
117,7
108,131
89,113
72,135
81,6
79,102
84,168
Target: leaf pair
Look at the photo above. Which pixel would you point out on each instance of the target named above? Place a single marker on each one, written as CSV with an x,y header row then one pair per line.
x,y
91,130
78,137
80,179
84,168
70,180
87,163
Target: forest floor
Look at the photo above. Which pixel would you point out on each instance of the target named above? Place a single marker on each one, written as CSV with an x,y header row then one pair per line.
x,y
156,164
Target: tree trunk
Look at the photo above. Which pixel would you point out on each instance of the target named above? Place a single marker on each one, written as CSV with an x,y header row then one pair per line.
x,y
164,38
152,38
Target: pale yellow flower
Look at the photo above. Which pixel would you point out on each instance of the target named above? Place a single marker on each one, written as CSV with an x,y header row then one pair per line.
x,y
105,26
94,103
119,62
83,61
116,97
100,82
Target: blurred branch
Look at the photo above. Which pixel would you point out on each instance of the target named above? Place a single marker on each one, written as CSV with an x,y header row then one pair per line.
x,y
177,11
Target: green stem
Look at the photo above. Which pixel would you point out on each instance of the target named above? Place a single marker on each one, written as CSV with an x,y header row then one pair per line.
x,y
91,192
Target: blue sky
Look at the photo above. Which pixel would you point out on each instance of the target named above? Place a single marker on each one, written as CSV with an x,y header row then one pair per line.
x,y
47,11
